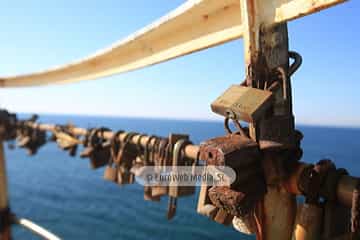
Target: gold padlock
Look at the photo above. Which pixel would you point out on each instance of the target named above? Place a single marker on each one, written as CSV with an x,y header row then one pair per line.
x,y
243,103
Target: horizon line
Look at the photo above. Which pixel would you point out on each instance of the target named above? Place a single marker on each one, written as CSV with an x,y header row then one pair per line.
x,y
179,119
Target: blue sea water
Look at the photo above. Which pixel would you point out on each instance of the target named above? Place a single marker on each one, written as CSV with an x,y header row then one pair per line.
x,y
62,193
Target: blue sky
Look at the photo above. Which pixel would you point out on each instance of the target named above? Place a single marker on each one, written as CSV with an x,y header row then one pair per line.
x,y
39,34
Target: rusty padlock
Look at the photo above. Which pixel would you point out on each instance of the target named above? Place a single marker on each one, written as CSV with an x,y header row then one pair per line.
x,y
138,162
125,157
234,150
110,172
238,151
159,161
31,139
97,148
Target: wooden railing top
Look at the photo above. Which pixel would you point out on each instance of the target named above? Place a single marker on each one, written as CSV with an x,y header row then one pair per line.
x,y
195,25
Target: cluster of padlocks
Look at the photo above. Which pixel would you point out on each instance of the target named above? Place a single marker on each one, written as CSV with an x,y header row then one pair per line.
x,y
124,154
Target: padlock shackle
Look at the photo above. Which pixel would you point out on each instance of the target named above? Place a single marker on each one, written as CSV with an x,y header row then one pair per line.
x,y
237,125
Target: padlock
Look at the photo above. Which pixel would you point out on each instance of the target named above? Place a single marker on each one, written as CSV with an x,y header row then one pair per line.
x,y
243,103
110,172
308,223
128,150
246,225
309,219
238,203
148,195
205,206
234,150
100,156
239,199
88,146
124,176
31,139
159,161
175,190
138,162
125,157
178,160
223,217
66,140
97,149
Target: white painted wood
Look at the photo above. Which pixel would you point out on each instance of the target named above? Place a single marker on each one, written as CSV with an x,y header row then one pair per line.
x,y
196,25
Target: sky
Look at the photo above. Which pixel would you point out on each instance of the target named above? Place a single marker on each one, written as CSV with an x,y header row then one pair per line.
x,y
38,34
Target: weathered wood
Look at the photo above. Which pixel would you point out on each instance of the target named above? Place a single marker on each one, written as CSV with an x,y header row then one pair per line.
x,y
196,25
191,27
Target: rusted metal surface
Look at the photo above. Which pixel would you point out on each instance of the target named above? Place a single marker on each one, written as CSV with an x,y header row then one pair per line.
x,y
233,150
343,190
308,222
236,202
336,220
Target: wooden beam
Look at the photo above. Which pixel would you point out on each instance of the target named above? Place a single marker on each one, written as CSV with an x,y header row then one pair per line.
x,y
196,25
193,26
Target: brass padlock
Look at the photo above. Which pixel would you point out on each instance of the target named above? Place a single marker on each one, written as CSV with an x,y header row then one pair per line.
x,y
243,103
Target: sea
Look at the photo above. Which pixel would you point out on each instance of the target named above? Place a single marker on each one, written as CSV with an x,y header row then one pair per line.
x,y
62,193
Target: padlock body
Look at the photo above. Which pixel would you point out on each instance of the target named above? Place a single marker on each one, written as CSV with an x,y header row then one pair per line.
x,y
159,191
110,174
243,103
233,150
100,157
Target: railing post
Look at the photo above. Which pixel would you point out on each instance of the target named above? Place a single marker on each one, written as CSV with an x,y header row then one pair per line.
x,y
266,50
5,229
